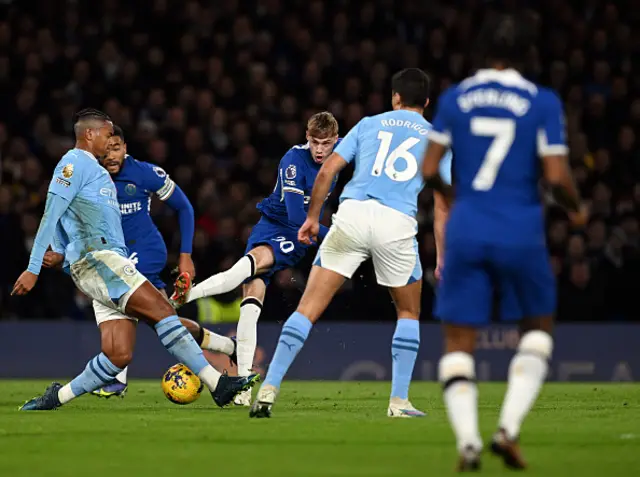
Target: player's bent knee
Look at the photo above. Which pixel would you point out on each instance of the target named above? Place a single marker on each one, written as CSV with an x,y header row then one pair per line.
x,y
536,342
120,358
456,366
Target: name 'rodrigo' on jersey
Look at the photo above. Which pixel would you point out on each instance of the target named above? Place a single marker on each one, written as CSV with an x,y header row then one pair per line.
x,y
296,174
388,150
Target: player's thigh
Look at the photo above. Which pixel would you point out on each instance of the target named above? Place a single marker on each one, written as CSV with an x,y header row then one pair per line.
x,y
148,304
465,292
407,300
264,257
322,286
107,277
117,334
526,274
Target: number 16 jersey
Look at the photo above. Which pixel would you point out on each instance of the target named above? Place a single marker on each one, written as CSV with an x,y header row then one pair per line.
x,y
388,150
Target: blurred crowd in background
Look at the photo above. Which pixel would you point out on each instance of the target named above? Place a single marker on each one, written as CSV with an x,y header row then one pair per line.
x,y
216,92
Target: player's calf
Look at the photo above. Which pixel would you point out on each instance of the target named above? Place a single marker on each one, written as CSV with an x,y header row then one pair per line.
x,y
527,372
457,375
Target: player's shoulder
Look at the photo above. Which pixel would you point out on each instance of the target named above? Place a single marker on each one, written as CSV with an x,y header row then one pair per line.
x,y
142,167
548,96
298,154
77,160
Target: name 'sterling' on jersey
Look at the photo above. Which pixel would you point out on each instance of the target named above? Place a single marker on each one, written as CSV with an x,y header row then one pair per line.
x,y
489,97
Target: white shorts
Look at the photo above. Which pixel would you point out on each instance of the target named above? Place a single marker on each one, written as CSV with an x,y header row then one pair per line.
x,y
108,278
363,229
104,313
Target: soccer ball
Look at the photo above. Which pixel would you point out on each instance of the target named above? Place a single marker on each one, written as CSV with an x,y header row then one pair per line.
x,y
181,385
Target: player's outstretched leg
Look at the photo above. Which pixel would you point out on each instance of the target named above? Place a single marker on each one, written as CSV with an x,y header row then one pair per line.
x,y
457,374
247,332
145,303
256,261
404,349
527,372
321,287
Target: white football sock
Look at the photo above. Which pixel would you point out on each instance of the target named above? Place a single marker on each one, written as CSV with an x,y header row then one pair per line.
x,y
225,281
217,343
247,334
210,377
122,377
65,394
457,374
527,372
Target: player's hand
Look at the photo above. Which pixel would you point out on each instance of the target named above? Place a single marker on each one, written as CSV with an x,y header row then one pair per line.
x,y
579,219
52,259
438,272
308,233
185,264
24,284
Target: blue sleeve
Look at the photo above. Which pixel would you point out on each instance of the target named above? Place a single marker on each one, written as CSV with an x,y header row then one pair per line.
x,y
178,201
68,178
445,167
551,135
53,210
348,147
156,180
442,122
295,208
291,174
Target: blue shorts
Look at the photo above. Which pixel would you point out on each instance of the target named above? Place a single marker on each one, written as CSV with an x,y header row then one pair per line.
x,y
152,259
283,240
522,275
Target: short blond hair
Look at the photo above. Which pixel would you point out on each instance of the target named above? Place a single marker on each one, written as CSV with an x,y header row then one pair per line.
x,y
322,125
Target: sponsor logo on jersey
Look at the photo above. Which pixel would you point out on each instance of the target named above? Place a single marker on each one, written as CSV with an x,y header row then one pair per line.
x,y
290,172
130,208
130,189
67,171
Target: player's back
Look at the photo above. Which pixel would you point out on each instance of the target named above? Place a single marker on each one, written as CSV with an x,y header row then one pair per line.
x,y
388,150
496,123
92,220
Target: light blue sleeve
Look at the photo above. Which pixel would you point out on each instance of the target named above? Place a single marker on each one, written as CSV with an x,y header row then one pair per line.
x,y
348,147
68,178
445,167
53,210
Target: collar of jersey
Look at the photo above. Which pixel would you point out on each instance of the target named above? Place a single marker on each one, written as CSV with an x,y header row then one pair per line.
x,y
87,153
507,77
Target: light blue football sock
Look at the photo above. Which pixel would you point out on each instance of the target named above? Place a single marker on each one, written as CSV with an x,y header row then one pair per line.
x,y
404,351
99,372
179,342
294,334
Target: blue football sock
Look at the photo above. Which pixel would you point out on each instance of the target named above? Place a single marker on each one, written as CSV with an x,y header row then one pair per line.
x,y
179,342
99,372
404,350
294,333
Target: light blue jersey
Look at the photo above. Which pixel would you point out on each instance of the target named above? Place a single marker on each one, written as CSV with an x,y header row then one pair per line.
x,y
88,216
389,149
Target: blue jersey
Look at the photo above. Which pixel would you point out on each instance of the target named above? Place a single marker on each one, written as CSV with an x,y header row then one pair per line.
x,y
388,150
498,124
297,172
92,219
136,182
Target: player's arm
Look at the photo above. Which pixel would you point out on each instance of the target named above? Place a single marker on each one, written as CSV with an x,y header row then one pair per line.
x,y
439,144
343,154
158,181
441,212
67,181
553,150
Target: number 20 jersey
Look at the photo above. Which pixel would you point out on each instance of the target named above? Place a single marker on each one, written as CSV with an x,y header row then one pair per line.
x,y
499,125
388,150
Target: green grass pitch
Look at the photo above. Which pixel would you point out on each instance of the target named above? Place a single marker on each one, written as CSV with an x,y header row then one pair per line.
x,y
318,429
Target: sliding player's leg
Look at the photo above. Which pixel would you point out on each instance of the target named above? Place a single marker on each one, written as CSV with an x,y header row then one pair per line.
x,y
147,303
463,303
531,284
253,293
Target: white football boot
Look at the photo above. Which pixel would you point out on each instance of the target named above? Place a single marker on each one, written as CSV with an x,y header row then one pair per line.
x,y
264,401
402,408
243,398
